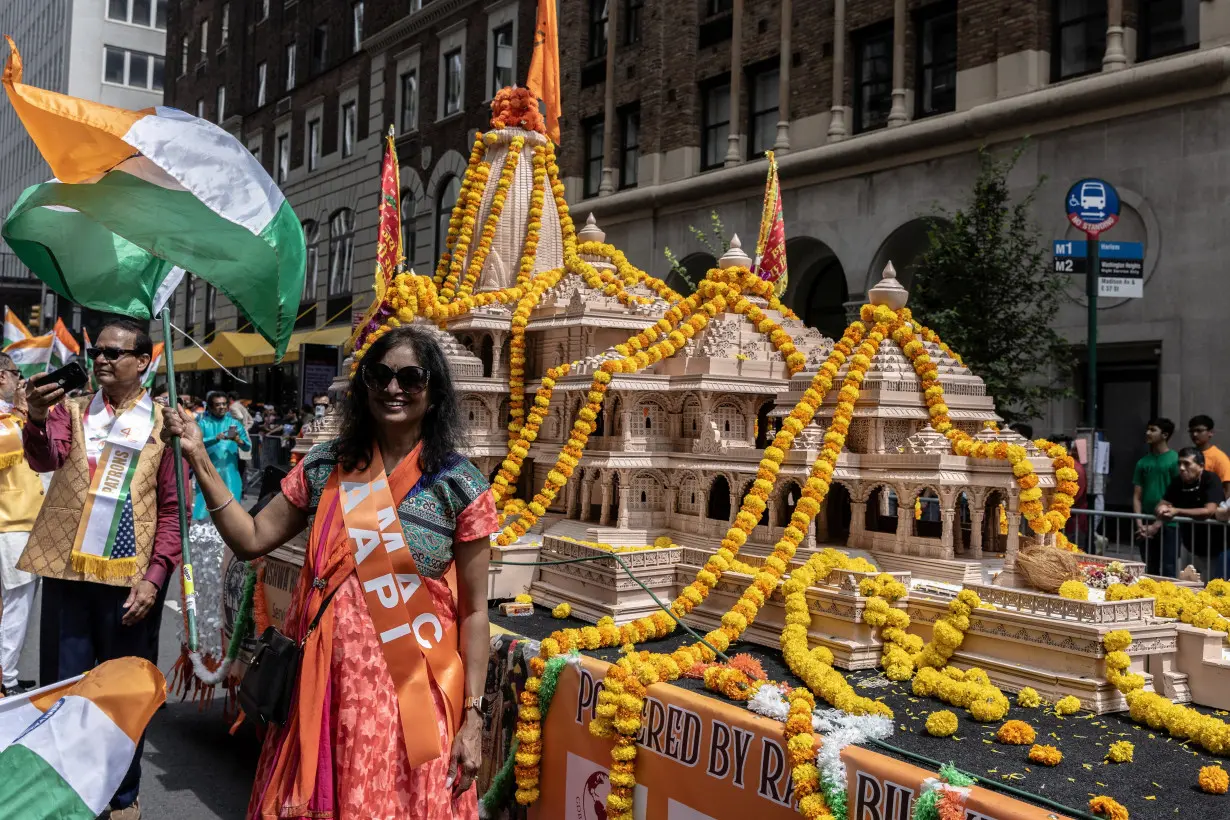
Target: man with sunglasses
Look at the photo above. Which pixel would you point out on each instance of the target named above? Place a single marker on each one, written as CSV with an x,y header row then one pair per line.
x,y
21,496
107,538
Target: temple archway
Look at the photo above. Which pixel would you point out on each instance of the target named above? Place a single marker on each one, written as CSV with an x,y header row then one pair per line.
x,y
903,247
786,503
995,523
882,510
718,508
835,528
816,289
695,267
928,521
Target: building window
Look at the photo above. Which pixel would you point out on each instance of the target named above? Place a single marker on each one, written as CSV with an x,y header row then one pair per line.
x,y
283,157
114,62
255,147
1080,38
407,227
598,17
1168,27
350,127
715,118
409,101
502,58
320,49
341,251
291,55
719,6
452,82
313,144
262,76
356,25
148,13
632,21
629,147
593,156
311,273
873,79
183,55
211,307
225,33
221,103
937,63
762,112
446,200
204,34
158,73
189,301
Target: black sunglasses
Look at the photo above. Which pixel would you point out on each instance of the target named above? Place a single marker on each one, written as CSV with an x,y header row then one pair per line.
x,y
111,353
411,379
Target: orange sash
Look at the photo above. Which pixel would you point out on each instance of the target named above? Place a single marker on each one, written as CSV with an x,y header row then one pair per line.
x,y
414,641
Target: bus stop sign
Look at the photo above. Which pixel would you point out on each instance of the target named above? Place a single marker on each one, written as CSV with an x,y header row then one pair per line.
x,y
1093,206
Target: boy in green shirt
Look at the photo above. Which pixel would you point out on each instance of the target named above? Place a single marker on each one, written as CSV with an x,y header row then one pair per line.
x,y
1154,472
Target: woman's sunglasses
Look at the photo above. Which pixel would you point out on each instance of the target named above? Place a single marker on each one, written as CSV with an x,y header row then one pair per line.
x,y
411,379
110,353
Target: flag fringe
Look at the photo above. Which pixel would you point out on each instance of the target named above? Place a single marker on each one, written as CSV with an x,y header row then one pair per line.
x,y
10,459
104,569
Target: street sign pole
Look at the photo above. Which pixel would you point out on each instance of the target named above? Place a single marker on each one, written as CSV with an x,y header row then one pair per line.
x,y
1094,269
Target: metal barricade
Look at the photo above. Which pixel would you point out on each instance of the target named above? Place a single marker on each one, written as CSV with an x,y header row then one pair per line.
x,y
1165,548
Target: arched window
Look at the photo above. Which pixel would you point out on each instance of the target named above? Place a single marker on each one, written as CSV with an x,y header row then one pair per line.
x,y
407,226
446,199
341,251
311,235
691,417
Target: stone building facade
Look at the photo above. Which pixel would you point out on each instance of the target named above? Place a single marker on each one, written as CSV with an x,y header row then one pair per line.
x,y
876,110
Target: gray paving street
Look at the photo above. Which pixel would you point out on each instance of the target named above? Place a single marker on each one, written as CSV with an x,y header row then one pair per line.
x,y
193,769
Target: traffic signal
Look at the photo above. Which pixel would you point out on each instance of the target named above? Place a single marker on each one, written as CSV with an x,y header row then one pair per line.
x,y
36,317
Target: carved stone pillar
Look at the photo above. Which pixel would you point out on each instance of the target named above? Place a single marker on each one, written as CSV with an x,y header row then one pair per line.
x,y
671,495
782,144
703,507
733,155
609,168
905,526
497,352
587,489
837,121
624,497
820,524
975,532
947,515
1014,536
898,114
604,518
858,521
958,534
1116,56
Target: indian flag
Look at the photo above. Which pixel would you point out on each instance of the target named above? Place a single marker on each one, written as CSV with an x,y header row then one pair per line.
x,y
14,329
151,372
32,356
64,347
64,749
141,196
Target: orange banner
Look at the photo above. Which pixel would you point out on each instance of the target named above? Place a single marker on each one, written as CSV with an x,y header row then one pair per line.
x,y
703,759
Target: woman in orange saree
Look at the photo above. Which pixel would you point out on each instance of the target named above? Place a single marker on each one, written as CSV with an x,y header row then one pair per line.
x,y
400,524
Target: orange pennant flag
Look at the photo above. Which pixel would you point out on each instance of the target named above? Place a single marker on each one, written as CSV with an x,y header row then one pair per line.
x,y
543,79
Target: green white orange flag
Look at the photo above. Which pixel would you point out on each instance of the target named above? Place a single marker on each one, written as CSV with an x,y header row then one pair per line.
x,y
151,372
64,347
64,749
32,356
770,261
141,196
14,329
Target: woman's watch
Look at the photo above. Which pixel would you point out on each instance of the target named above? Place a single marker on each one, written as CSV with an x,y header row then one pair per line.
x,y
478,704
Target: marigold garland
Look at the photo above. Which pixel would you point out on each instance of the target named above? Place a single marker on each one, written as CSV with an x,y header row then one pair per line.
x,y
941,724
1074,590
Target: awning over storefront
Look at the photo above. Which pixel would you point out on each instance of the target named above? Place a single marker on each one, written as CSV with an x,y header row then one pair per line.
x,y
234,349
186,359
336,336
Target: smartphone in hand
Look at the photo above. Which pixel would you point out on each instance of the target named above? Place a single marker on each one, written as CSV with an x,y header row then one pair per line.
x,y
70,377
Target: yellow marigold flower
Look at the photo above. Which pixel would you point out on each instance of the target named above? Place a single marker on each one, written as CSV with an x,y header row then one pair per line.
x,y
1213,779
524,598
1074,590
1046,755
1108,807
1028,698
561,611
941,724
1121,752
1069,705
1015,733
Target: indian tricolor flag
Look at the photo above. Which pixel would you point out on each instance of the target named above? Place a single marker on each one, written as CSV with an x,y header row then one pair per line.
x,y
141,196
64,749
14,329
151,372
64,348
32,356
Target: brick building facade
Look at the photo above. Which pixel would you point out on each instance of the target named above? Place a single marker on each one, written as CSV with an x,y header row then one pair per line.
x,y
311,87
1132,91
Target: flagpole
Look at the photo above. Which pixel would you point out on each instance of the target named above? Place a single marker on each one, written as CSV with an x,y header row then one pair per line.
x,y
173,399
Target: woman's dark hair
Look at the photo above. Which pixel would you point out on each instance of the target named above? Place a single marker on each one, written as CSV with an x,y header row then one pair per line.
x,y
442,431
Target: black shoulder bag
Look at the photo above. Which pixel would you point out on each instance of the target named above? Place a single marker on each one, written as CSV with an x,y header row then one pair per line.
x,y
268,687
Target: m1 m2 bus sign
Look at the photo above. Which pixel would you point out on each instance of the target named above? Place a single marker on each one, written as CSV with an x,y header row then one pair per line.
x,y
1122,265
1093,206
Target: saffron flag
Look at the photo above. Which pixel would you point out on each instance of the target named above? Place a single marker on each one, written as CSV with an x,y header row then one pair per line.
x,y
64,347
389,253
65,748
14,329
155,361
543,79
32,356
141,196
770,261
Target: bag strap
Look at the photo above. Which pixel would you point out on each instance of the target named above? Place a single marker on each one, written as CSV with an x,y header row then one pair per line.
x,y
320,613
322,582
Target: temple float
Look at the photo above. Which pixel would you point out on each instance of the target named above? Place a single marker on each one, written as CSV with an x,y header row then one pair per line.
x,y
850,502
